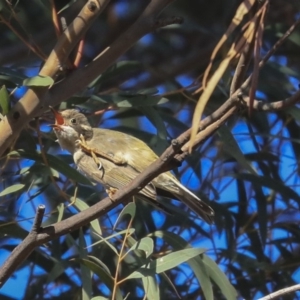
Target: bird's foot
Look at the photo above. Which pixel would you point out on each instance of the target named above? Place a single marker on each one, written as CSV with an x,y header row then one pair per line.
x,y
83,145
117,159
111,192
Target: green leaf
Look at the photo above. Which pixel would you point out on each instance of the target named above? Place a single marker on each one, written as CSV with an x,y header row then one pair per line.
x,y
54,163
151,287
219,278
166,262
97,261
60,208
145,244
271,183
132,93
129,231
86,273
129,209
117,69
162,134
38,80
12,189
233,149
103,275
130,101
12,229
196,263
58,269
11,78
4,100
81,206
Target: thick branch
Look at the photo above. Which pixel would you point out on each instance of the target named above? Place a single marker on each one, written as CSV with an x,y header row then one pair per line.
x,y
31,104
23,250
35,101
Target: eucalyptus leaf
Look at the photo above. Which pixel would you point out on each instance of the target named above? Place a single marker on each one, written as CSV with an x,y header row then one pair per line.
x,y
166,262
129,209
86,273
12,189
38,81
54,162
145,244
4,100
103,275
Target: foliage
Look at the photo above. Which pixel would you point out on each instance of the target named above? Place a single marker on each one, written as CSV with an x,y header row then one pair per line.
x,y
247,171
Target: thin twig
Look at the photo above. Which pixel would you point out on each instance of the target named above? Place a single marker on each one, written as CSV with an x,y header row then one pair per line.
x,y
282,292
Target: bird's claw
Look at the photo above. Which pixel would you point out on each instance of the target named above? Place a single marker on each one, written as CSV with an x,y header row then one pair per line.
x,y
110,192
82,143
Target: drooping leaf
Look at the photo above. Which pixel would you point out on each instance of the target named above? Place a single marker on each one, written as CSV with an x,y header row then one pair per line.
x,y
103,275
129,209
38,81
145,244
86,273
54,162
81,206
166,262
4,100
12,189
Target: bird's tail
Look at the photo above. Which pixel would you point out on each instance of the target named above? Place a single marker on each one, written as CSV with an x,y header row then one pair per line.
x,y
193,202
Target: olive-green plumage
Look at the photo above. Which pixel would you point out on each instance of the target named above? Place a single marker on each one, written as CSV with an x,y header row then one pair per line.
x,y
131,156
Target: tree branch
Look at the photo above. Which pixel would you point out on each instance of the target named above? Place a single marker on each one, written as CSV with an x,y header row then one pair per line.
x,y
23,250
37,100
31,104
281,292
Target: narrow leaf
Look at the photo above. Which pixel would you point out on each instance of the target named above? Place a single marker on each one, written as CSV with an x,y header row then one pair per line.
x,y
86,273
151,287
166,262
55,163
145,244
129,209
232,148
103,275
81,206
4,100
38,80
12,189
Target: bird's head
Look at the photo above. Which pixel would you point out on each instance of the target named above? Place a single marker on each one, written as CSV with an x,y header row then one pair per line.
x,y
69,125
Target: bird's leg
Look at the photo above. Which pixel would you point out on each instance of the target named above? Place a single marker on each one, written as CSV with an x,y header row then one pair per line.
x,y
86,148
94,152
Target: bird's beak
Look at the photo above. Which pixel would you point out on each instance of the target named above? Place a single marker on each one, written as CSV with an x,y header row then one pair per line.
x,y
59,120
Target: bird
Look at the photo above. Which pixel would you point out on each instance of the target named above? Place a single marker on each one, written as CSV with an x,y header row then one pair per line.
x,y
113,159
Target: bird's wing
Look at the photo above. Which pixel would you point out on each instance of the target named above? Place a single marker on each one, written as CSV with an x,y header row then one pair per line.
x,y
110,175
121,145
119,178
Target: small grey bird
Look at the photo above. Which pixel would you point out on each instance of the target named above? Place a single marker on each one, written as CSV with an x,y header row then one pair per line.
x,y
114,159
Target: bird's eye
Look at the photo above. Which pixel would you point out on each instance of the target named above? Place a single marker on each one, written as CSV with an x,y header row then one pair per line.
x,y
73,121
